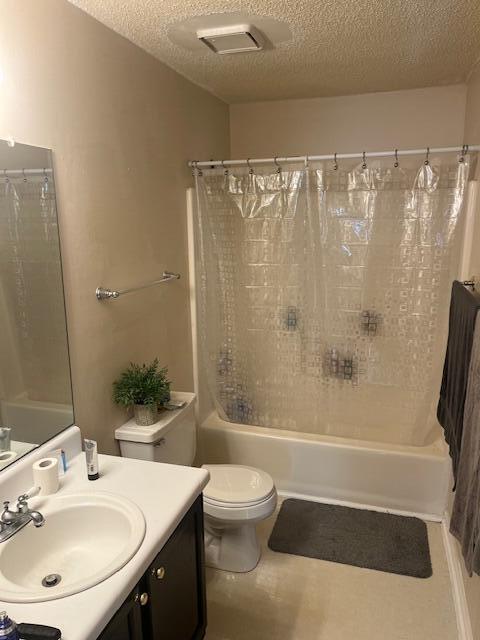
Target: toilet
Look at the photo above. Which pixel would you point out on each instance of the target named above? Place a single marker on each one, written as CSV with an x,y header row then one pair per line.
x,y
235,499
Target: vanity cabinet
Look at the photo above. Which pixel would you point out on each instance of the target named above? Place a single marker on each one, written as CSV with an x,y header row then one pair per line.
x,y
169,602
127,622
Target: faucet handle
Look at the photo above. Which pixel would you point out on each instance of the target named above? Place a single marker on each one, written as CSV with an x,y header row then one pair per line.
x,y
22,503
7,516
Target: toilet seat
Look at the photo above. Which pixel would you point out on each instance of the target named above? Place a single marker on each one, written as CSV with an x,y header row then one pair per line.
x,y
238,493
236,498
236,505
241,514
232,484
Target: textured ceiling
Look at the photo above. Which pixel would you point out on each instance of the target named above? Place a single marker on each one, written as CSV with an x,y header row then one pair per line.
x,y
338,46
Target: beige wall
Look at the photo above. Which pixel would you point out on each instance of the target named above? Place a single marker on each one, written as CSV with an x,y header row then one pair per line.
x,y
369,122
472,136
472,110
122,127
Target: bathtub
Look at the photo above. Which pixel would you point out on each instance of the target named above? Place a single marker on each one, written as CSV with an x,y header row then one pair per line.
x,y
34,420
398,478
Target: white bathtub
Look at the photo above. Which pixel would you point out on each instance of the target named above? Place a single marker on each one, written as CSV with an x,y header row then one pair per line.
x,y
33,420
397,478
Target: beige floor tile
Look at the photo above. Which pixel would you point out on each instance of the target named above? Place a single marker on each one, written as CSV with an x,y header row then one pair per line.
x,y
294,598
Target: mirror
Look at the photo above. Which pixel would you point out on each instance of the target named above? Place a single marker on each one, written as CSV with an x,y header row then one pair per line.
x,y
35,384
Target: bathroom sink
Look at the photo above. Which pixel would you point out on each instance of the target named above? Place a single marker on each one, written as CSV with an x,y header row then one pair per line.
x,y
85,539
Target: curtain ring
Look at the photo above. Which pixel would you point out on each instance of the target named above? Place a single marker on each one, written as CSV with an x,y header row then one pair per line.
x,y
225,169
396,164
279,168
335,163
306,163
45,177
426,162
463,153
7,179
24,176
250,168
364,159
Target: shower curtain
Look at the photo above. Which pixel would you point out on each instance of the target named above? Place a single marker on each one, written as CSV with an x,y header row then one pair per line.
x,y
32,300
323,294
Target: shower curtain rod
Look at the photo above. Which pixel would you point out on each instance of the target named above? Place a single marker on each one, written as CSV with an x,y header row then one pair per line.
x,y
14,173
332,156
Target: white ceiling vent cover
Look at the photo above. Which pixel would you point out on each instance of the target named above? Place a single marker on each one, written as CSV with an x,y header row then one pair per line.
x,y
232,39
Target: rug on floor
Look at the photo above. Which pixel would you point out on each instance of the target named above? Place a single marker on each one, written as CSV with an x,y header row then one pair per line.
x,y
369,539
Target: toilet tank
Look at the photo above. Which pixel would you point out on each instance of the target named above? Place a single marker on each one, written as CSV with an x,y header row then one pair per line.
x,y
172,439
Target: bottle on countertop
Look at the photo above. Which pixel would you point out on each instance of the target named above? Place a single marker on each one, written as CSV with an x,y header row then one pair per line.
x,y
91,455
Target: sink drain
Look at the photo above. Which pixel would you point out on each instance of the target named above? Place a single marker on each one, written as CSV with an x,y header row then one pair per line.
x,y
51,580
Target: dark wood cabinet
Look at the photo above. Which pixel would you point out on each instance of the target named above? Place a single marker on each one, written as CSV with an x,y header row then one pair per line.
x,y
169,602
127,622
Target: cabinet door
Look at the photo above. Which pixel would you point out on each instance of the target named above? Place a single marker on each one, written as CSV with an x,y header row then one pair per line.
x,y
126,624
176,583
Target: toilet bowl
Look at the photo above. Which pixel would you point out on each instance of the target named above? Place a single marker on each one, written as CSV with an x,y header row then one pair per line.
x,y
234,501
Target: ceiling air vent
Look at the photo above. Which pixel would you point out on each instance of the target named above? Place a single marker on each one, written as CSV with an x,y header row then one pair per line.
x,y
232,39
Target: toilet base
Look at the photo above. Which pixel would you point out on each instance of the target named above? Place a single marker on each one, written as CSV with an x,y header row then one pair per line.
x,y
231,547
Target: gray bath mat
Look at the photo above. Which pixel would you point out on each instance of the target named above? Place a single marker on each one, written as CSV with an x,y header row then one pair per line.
x,y
381,541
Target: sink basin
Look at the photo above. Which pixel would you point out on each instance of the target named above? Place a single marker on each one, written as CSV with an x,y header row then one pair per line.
x,y
85,539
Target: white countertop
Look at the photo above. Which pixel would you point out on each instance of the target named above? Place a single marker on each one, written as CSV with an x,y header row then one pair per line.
x,y
163,492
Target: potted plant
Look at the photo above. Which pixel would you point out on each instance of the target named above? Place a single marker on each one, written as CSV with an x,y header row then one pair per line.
x,y
144,387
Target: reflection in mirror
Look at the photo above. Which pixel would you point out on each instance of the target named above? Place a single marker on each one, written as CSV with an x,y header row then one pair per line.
x,y
35,386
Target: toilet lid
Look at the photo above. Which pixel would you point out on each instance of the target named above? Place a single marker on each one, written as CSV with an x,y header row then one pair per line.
x,y
233,483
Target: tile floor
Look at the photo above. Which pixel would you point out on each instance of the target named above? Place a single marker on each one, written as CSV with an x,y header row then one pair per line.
x,y
295,598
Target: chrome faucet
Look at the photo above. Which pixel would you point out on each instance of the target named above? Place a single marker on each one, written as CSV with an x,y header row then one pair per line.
x,y
13,521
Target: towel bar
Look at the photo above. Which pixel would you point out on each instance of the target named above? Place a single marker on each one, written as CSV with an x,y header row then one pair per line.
x,y
108,294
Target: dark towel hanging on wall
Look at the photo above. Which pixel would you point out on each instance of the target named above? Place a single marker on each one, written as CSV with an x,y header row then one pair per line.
x,y
464,306
465,522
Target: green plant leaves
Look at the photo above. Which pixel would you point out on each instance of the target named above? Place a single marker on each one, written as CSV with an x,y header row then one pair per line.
x,y
142,384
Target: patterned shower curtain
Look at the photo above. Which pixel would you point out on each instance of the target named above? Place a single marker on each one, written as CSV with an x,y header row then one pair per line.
x,y
323,294
32,298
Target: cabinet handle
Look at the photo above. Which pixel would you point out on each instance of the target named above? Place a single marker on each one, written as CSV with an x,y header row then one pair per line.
x,y
142,598
159,573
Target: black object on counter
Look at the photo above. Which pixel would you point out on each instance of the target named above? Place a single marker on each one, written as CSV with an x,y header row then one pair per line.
x,y
28,631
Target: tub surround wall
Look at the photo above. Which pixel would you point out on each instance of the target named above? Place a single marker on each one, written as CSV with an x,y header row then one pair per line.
x,y
122,126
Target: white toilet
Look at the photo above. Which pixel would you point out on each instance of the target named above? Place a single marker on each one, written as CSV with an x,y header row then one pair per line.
x,y
234,500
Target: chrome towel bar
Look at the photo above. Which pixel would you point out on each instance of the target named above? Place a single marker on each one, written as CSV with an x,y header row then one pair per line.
x,y
107,294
